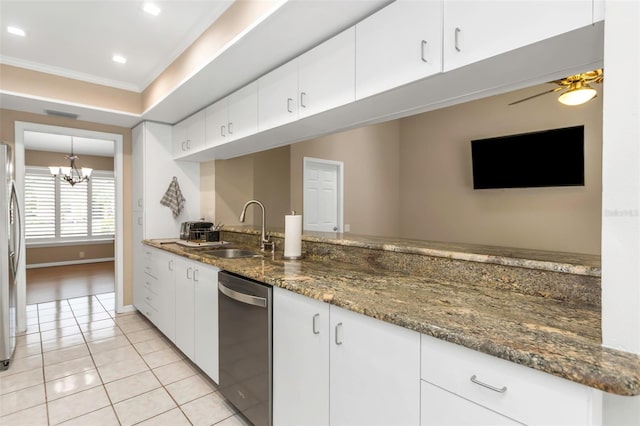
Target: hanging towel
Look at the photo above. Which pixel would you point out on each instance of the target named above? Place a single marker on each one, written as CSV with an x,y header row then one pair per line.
x,y
173,198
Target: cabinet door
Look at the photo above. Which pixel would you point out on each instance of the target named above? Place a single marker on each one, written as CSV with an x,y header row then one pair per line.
x,y
185,304
389,55
300,360
375,371
206,319
216,122
243,112
189,135
137,167
278,96
476,30
195,131
138,265
442,408
326,75
179,139
165,266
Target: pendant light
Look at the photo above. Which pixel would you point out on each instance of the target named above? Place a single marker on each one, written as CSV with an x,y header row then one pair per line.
x,y
72,175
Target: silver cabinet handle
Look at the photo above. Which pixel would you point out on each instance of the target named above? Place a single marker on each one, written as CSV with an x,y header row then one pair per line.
x,y
488,386
183,146
222,131
230,128
140,221
423,45
338,329
196,275
171,265
147,298
456,35
188,144
189,272
302,95
139,202
289,100
315,324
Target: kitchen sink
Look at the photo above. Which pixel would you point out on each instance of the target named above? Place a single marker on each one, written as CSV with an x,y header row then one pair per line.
x,y
230,253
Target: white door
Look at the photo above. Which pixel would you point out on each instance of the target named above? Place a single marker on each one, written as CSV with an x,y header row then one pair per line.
x,y
322,195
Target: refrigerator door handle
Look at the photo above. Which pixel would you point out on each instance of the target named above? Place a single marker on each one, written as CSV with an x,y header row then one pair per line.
x,y
18,241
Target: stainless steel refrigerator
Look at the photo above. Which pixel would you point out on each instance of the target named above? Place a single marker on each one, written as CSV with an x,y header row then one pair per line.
x,y
10,235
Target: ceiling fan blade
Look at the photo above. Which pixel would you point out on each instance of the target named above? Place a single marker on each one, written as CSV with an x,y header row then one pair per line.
x,y
535,96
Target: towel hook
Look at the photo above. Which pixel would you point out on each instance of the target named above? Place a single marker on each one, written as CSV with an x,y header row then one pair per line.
x,y
175,179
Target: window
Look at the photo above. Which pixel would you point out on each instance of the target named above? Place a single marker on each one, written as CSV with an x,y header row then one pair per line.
x,y
57,211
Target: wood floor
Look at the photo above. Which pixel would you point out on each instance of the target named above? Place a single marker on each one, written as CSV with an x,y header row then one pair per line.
x,y
68,282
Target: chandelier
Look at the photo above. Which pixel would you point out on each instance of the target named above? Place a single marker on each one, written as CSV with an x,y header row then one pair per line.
x,y
71,174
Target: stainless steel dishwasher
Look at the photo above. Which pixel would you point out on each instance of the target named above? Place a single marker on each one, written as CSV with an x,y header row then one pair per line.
x,y
244,310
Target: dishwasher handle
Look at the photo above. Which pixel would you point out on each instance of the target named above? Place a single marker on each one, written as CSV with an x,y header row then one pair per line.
x,y
242,297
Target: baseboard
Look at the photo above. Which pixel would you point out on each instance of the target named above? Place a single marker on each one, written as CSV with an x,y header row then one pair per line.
x,y
70,262
127,308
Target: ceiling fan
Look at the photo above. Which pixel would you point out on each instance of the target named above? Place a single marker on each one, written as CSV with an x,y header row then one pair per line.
x,y
576,89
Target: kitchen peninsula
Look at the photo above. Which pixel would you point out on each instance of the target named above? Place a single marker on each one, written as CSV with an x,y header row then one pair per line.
x,y
533,308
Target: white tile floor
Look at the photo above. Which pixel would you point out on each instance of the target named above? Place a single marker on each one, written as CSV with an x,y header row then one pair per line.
x,y
81,364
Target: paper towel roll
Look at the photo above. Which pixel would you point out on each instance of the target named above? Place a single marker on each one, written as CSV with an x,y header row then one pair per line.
x,y
292,235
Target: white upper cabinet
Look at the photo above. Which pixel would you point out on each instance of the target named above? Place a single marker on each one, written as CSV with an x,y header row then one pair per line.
x,y
243,112
476,30
216,122
399,44
278,96
326,75
189,135
233,117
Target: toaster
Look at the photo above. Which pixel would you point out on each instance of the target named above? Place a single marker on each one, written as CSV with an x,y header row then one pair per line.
x,y
194,230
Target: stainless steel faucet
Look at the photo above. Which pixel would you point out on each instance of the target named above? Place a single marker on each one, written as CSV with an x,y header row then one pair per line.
x,y
264,240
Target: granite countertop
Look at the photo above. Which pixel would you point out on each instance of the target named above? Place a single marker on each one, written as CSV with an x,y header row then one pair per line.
x,y
557,337
572,263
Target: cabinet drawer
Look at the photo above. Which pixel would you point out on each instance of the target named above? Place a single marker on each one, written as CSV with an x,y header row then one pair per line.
x,y
151,299
150,312
519,392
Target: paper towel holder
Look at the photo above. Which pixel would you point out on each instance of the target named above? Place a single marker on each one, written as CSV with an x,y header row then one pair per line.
x,y
293,212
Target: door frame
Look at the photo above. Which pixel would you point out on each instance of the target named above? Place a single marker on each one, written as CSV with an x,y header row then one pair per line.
x,y
306,161
118,170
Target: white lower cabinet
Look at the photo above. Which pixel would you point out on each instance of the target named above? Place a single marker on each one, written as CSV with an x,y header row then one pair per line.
x,y
206,319
185,307
154,291
443,408
300,360
334,366
180,297
481,383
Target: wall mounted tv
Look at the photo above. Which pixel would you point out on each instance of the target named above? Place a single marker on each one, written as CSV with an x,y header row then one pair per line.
x,y
538,159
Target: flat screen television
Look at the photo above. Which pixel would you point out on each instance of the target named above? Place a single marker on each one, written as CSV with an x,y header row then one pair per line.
x,y
538,159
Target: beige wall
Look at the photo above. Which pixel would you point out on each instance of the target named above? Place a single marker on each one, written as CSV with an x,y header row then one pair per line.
x,y
412,178
37,255
263,176
20,80
46,159
237,18
371,159
7,134
437,197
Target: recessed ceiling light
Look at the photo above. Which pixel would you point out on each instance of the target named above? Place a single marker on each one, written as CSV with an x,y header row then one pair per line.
x,y
151,9
119,59
16,31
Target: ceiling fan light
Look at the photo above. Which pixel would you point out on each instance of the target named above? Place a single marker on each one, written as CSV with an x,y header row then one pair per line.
x,y
577,96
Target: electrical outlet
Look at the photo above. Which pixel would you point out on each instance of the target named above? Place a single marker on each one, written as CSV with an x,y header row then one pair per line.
x,y
347,227
81,255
